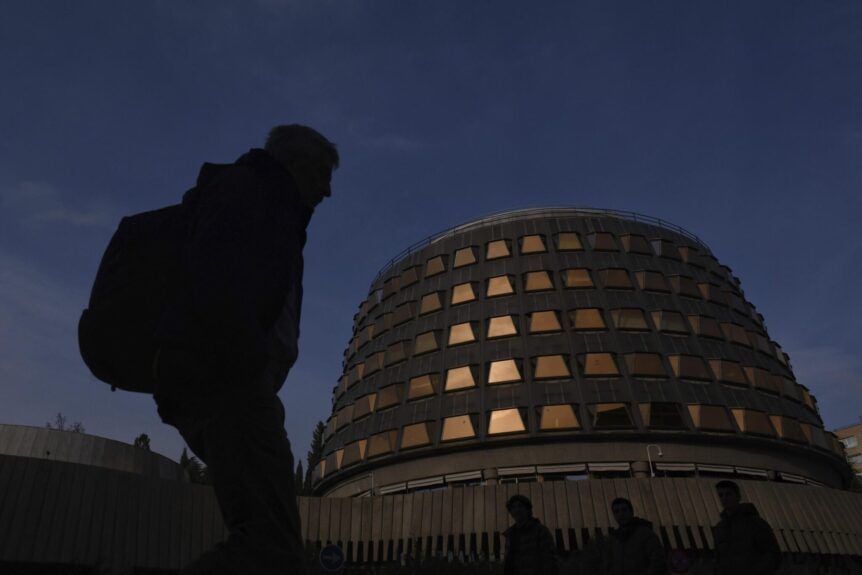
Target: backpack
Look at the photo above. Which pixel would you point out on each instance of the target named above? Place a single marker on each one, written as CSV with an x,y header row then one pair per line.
x,y
117,331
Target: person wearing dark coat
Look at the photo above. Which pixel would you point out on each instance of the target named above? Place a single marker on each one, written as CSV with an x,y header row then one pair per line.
x,y
744,542
633,547
228,337
530,548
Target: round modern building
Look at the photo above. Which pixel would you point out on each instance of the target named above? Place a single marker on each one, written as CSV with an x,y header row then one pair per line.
x,y
563,344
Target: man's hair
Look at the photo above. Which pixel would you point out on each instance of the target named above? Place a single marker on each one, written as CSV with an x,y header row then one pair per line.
x,y
728,484
519,499
624,501
295,142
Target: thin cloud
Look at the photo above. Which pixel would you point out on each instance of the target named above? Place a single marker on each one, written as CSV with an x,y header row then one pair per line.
x,y
38,204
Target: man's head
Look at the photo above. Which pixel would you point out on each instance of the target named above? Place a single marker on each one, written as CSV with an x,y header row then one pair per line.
x,y
623,511
519,508
308,156
728,494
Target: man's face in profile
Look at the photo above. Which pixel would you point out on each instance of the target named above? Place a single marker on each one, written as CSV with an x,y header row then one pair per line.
x,y
519,512
622,513
314,181
727,497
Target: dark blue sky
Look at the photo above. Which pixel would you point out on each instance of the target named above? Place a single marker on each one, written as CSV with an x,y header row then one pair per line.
x,y
741,121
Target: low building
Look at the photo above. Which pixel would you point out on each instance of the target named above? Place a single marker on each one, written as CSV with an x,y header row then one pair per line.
x,y
851,437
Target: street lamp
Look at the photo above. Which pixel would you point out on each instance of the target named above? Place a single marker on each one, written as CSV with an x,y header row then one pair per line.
x,y
658,447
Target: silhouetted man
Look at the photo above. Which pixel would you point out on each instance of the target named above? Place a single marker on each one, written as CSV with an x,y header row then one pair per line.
x,y
530,547
228,338
744,542
633,547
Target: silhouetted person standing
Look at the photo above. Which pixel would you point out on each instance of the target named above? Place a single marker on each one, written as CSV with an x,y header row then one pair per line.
x,y
633,547
530,547
744,542
228,338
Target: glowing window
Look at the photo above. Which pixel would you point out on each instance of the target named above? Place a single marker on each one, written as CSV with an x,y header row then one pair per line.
x,y
569,241
661,415
461,333
415,435
669,321
788,428
684,286
409,276
652,281
497,249
423,386
381,443
710,417
538,281
364,406
395,353
504,371
735,333
464,257
629,319
551,367
615,278
403,312
610,416
462,293
459,378
374,363
556,417
705,326
457,427
426,342
505,421
589,318
389,396
578,278
501,326
689,367
333,460
599,365
499,285
533,245
636,244
430,303
544,322
645,365
754,422
603,242
435,266
728,372
354,452
391,286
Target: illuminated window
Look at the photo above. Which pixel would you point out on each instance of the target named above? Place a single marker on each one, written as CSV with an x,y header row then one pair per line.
x,y
788,428
333,460
636,244
585,319
751,421
538,281
629,319
710,417
569,241
577,278
645,365
652,281
389,396
435,266
669,321
319,471
415,435
430,303
684,286
505,421
544,322
403,312
705,326
497,249
504,371
354,452
533,245
500,285
689,367
501,326
344,416
728,372
763,380
395,353
459,378
381,443
462,293
661,415
356,373
391,286
461,333
550,367
665,249
711,292
374,363
364,406
557,417
409,276
735,333
599,365
457,427
464,257
610,416
615,278
602,242
423,386
383,324
426,342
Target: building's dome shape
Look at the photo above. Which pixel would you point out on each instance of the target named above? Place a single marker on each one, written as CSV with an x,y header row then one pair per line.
x,y
551,343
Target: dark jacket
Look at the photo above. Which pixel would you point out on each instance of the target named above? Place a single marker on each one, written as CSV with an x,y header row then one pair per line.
x,y
530,550
635,549
745,543
236,306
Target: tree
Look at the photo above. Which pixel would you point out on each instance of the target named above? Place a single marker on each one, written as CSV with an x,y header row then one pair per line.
x,y
143,441
197,471
315,454
59,424
299,479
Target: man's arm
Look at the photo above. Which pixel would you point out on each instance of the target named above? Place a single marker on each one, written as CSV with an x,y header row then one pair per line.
x,y
548,551
655,552
769,554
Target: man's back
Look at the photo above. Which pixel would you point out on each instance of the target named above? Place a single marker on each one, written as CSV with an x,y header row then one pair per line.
x,y
530,550
635,549
745,543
